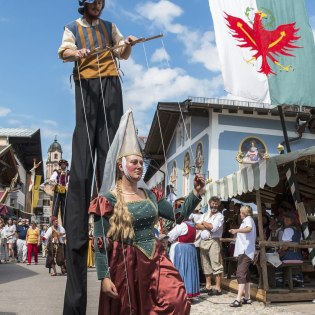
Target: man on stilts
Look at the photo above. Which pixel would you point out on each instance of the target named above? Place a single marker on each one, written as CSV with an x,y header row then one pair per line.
x,y
98,111
60,179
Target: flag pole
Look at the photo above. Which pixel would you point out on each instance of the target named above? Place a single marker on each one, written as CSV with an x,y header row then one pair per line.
x,y
294,188
284,129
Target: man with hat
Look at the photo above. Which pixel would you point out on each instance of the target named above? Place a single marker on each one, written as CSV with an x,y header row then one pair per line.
x,y
55,236
60,179
99,107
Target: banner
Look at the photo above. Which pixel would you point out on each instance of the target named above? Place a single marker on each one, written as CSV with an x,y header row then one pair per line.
x,y
36,185
267,50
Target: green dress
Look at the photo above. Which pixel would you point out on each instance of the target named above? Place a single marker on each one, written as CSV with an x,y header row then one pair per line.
x,y
146,280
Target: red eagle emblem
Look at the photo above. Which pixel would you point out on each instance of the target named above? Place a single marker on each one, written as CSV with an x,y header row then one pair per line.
x,y
267,44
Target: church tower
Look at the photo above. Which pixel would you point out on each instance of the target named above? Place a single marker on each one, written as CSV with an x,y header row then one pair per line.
x,y
54,156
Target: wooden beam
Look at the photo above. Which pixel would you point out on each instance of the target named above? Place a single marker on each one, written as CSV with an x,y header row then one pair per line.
x,y
289,244
5,163
156,156
263,261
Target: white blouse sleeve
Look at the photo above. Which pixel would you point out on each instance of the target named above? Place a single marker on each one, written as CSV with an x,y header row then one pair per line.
x,y
178,230
287,235
68,42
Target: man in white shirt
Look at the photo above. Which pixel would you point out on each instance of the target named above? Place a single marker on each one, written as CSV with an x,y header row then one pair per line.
x,y
244,251
55,236
211,226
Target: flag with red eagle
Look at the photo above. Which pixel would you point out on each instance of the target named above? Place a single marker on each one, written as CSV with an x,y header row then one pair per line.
x,y
267,50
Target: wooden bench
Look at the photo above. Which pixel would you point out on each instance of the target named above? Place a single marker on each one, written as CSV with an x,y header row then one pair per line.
x,y
287,273
228,263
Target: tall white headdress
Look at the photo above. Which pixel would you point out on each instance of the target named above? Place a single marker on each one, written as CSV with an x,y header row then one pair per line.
x,y
125,143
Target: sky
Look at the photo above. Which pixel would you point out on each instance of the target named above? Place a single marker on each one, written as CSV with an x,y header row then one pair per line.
x,y
35,89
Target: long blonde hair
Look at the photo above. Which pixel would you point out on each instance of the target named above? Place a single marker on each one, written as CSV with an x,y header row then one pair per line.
x,y
121,221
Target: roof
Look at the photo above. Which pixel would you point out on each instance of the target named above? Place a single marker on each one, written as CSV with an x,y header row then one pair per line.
x,y
269,177
165,119
17,132
55,146
26,144
8,165
168,114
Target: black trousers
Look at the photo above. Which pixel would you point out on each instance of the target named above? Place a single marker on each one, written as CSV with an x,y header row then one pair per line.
x,y
59,204
81,174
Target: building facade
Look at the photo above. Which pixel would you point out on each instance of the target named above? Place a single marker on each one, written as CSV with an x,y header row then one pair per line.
x,y
216,138
26,147
54,156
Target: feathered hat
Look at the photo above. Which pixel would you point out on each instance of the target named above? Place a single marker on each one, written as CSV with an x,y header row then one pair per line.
x,y
63,162
82,4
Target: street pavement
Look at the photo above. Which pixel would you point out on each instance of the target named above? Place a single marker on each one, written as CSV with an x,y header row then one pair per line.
x,y
26,290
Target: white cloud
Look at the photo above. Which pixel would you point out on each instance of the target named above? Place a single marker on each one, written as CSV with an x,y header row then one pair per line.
x,y
24,116
14,122
50,122
160,55
162,14
4,111
146,87
199,47
202,49
4,19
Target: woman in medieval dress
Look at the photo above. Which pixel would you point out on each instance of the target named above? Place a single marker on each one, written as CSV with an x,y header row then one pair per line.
x,y
137,277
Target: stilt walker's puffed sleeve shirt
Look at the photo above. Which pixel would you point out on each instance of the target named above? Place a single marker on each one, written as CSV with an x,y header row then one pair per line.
x,y
101,34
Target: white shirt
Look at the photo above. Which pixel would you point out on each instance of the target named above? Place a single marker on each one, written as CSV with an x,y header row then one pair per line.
x,y
68,39
3,233
245,242
60,230
9,230
178,230
53,178
217,221
287,235
195,217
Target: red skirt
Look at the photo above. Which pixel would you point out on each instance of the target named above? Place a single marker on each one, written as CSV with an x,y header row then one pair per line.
x,y
155,286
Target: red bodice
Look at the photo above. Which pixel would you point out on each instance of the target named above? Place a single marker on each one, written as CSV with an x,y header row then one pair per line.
x,y
190,237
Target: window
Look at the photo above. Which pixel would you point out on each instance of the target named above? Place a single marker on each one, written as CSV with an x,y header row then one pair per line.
x,y
46,202
186,189
12,202
56,156
186,172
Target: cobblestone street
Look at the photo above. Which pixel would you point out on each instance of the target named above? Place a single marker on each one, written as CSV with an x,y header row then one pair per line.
x,y
28,290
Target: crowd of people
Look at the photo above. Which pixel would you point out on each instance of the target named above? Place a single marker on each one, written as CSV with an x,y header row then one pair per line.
x,y
196,249
22,241
194,245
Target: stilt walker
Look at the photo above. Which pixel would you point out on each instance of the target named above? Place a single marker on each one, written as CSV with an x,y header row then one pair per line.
x,y
99,108
60,179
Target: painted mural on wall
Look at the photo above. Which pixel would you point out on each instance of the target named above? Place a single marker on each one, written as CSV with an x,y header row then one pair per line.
x,y
186,172
186,168
199,158
173,177
252,150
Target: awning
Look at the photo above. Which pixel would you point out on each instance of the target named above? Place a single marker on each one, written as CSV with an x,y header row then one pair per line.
x,y
255,176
